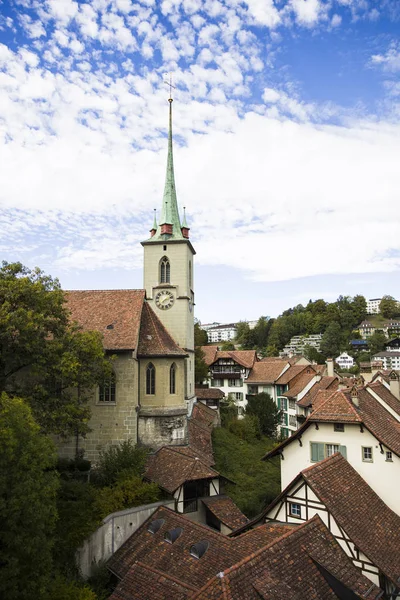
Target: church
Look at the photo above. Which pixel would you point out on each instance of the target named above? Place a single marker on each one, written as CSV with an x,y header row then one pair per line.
x,y
150,334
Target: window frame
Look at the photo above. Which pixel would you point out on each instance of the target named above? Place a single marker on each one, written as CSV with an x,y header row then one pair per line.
x,y
109,387
150,379
364,459
292,513
338,427
165,270
341,448
389,456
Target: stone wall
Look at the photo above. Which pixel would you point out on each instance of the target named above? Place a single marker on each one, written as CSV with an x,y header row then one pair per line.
x,y
111,423
114,531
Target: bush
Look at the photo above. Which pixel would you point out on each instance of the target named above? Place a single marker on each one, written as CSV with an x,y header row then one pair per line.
x,y
126,493
61,589
247,429
125,458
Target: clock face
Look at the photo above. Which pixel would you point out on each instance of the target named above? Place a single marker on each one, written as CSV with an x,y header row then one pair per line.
x,y
164,299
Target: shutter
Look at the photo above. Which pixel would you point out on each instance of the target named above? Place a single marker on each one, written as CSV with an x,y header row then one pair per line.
x,y
317,452
343,451
279,403
321,451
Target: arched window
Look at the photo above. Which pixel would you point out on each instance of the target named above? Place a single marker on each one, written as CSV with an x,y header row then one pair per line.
x,y
165,270
150,379
107,390
172,379
190,274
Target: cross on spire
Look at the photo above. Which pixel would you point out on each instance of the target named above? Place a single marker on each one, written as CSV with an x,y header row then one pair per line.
x,y
171,87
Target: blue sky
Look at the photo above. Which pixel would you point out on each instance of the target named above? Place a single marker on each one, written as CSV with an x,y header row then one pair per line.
x,y
287,145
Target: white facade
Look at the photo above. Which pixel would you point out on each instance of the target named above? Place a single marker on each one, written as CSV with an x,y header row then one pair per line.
x,y
390,359
299,342
345,361
373,306
380,473
220,333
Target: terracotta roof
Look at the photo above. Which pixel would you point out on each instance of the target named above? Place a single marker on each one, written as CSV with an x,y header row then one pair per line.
x,y
298,384
266,372
151,549
325,383
209,354
115,314
205,415
369,523
260,536
292,372
336,407
305,563
384,373
379,421
154,339
209,393
386,395
143,582
273,359
200,438
245,358
226,511
170,468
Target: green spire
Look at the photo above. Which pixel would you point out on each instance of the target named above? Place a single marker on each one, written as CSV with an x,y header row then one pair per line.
x,y
169,210
184,222
155,220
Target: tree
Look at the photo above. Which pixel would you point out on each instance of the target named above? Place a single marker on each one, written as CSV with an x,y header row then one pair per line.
x,y
228,410
44,358
313,355
200,366
331,341
28,488
200,335
376,342
269,416
226,346
389,307
126,458
359,306
245,336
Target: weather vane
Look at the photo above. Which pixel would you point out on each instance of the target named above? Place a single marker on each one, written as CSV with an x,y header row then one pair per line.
x,y
171,87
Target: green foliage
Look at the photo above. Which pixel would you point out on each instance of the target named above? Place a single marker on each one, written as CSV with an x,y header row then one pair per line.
x,y
226,346
389,307
246,429
331,341
228,410
28,487
200,335
200,366
63,589
376,342
125,458
101,581
44,358
257,481
312,354
264,408
127,492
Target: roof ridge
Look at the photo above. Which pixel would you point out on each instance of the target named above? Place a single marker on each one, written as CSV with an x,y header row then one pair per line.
x,y
336,456
348,400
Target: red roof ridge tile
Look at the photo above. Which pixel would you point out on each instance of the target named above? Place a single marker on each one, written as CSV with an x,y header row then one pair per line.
x,y
320,408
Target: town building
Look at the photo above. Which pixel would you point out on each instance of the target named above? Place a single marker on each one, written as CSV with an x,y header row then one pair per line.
x,y
390,328
299,343
150,332
390,359
345,361
366,529
172,557
362,424
220,333
373,306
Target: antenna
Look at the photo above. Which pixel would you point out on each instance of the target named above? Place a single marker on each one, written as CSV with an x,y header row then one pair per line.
x,y
171,87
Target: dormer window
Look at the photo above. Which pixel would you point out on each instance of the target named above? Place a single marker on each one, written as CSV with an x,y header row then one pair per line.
x,y
165,270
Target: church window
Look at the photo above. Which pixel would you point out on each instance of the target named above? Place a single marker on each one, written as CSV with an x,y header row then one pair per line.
x,y
190,274
172,379
150,379
107,390
165,270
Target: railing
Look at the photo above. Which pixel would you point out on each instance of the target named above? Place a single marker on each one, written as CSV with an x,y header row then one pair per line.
x,y
226,369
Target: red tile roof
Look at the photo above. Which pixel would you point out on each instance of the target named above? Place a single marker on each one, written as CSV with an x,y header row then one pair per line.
x,y
369,523
325,383
154,339
266,371
292,567
297,385
386,395
292,372
140,578
209,354
226,511
116,314
336,407
209,393
170,468
245,358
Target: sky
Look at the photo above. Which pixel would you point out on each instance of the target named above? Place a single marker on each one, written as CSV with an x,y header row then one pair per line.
x,y
286,121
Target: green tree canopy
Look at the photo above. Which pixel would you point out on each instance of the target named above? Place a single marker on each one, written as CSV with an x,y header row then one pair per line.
x,y
331,341
44,358
28,488
264,408
376,342
389,307
200,366
200,335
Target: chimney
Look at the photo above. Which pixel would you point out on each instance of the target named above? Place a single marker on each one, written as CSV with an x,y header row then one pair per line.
x,y
376,365
329,366
354,395
395,384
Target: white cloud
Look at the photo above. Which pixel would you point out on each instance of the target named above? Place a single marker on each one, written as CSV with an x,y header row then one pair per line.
x,y
263,12
390,61
308,12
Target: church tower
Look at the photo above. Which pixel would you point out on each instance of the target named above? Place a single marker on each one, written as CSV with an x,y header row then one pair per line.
x,y
168,272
